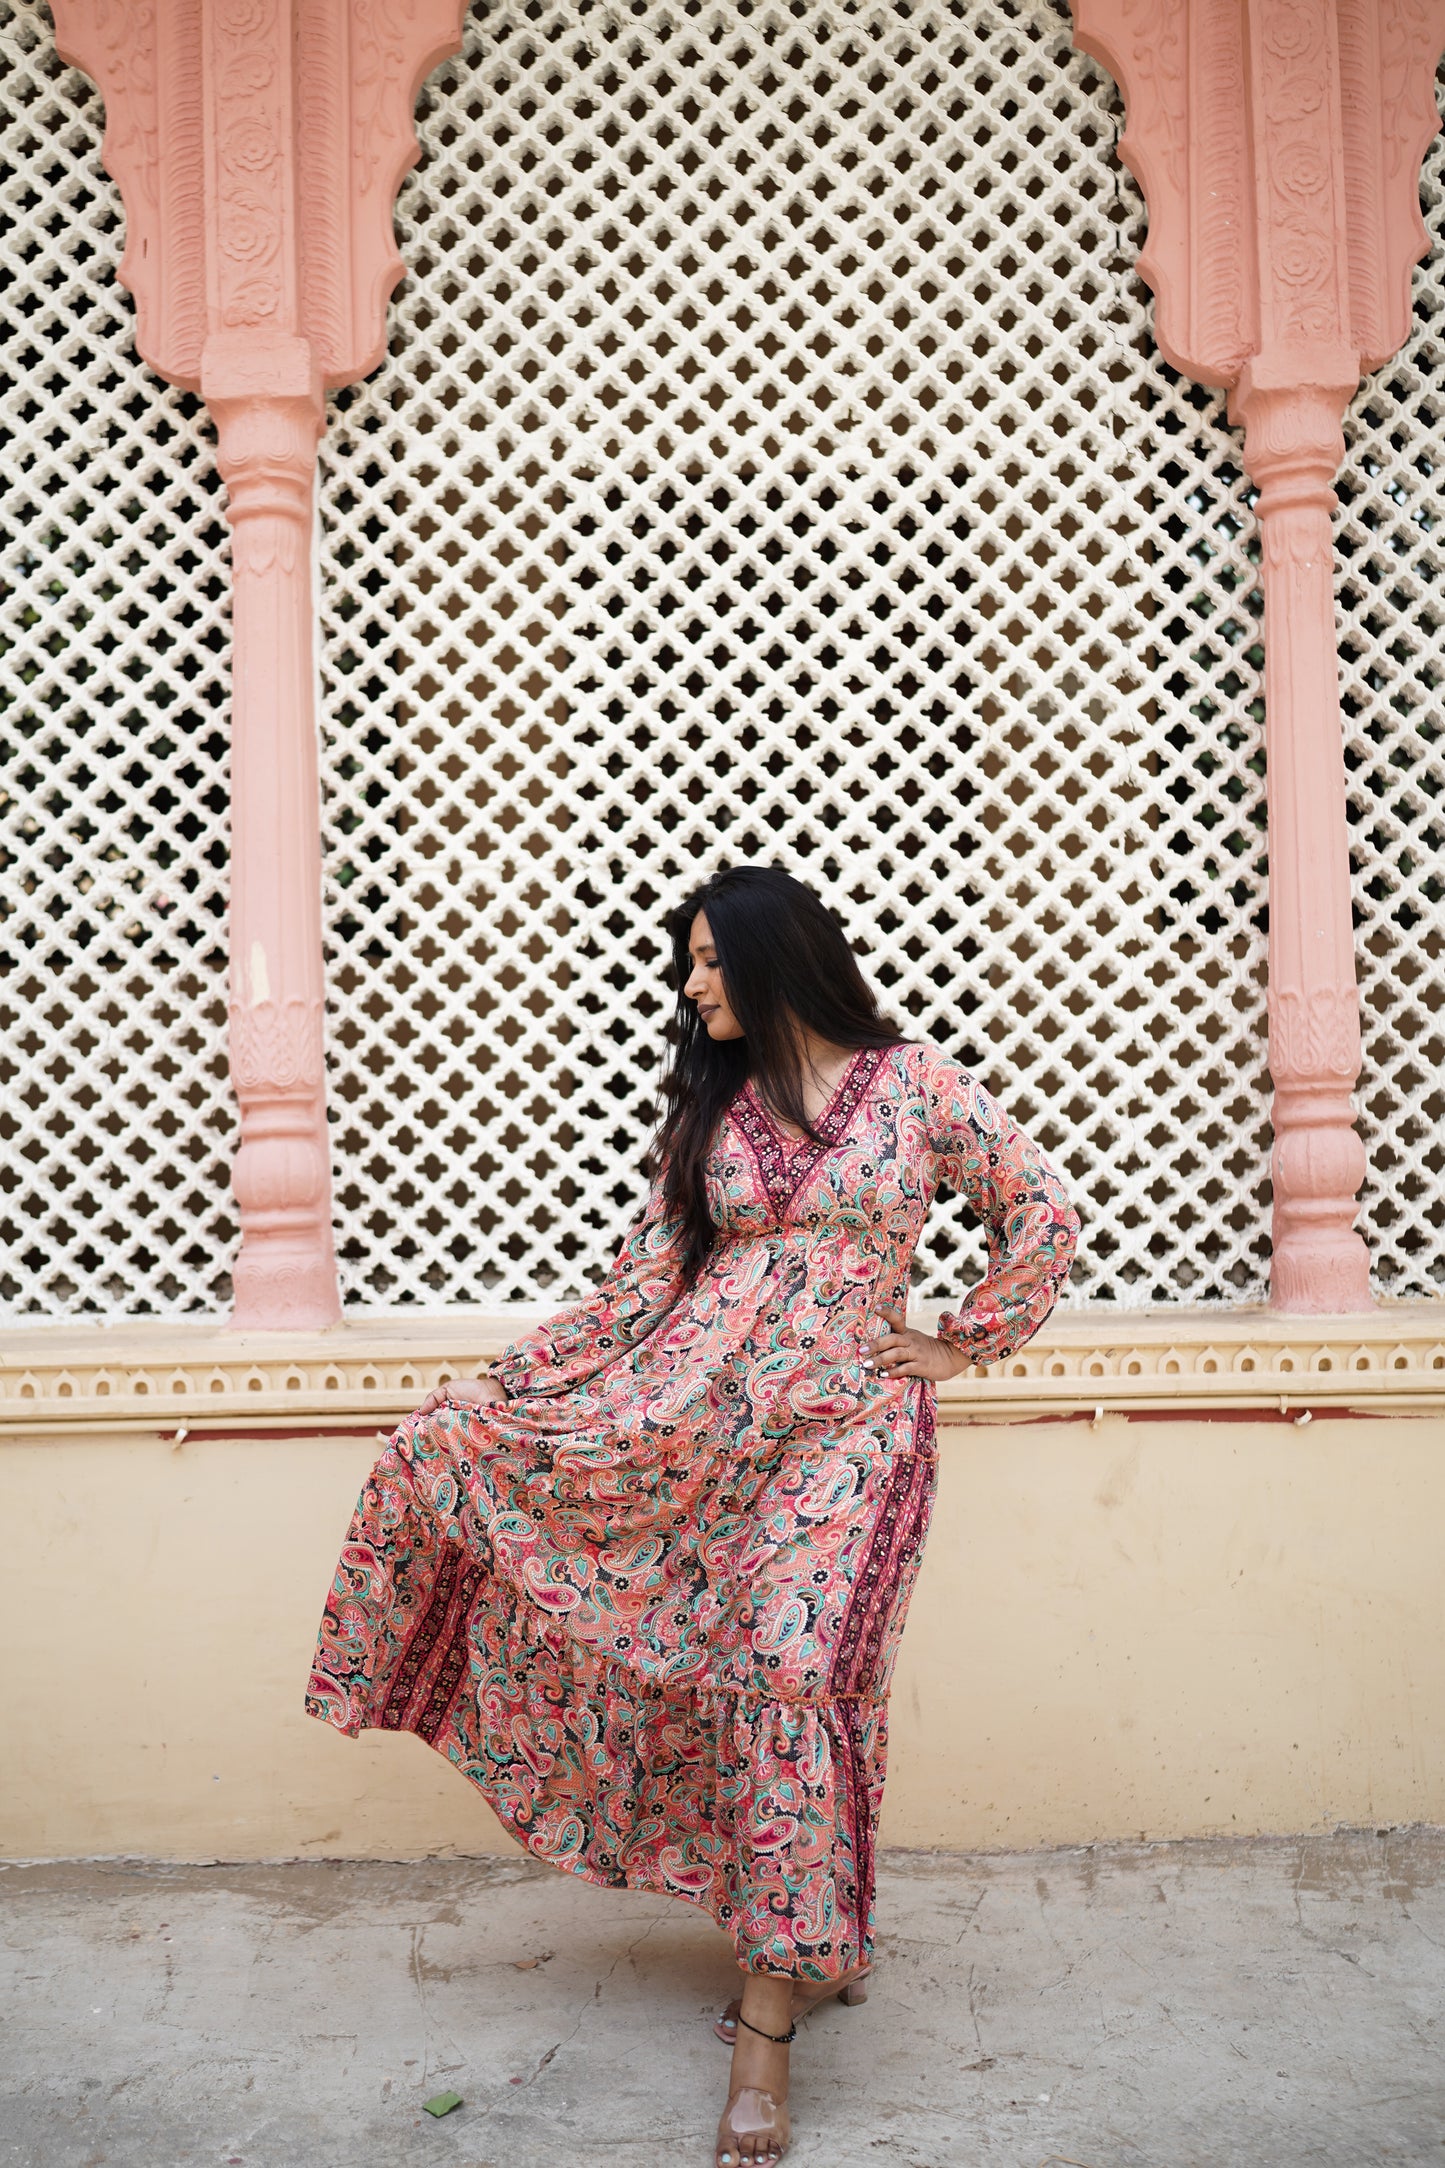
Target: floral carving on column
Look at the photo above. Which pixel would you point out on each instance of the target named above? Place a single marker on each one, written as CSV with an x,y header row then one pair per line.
x,y
258,145
1278,144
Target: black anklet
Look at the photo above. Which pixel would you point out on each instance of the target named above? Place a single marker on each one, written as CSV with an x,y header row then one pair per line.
x,y
779,2040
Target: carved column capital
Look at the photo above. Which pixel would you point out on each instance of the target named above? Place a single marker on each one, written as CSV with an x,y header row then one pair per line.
x,y
1278,144
258,145
1291,428
1293,444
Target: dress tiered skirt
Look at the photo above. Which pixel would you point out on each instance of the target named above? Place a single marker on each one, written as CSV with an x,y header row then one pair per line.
x,y
741,1770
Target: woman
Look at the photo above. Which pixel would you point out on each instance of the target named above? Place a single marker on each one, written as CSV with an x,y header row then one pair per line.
x,y
643,1584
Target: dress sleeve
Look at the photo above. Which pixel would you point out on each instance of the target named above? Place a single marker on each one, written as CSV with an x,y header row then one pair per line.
x,y
642,1285
1031,1226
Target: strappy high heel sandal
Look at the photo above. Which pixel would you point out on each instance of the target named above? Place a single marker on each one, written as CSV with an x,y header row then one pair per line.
x,y
853,1991
755,2129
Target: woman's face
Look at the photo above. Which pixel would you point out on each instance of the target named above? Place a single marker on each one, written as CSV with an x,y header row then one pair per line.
x,y
705,985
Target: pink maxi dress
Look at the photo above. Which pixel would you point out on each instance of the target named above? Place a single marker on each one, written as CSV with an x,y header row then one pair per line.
x,y
650,1606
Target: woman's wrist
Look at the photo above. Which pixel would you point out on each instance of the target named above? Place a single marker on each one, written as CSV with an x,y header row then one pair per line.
x,y
959,1359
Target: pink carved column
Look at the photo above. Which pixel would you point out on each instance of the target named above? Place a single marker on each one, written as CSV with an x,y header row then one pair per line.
x,y
1278,143
258,145
1293,445
286,1270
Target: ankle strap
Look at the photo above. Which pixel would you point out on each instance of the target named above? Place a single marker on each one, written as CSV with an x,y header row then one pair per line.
x,y
779,2040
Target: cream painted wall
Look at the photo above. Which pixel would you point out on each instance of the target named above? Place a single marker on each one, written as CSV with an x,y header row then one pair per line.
x,y
1147,1628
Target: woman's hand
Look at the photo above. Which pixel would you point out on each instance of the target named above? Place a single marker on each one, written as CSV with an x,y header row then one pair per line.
x,y
899,1353
462,1393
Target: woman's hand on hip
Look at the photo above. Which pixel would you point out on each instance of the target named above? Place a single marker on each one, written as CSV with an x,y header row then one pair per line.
x,y
462,1393
899,1353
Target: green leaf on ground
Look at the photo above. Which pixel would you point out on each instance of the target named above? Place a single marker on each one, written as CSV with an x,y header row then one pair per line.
x,y
443,2103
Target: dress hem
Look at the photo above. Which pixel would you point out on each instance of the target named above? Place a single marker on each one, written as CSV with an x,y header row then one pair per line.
x,y
649,1887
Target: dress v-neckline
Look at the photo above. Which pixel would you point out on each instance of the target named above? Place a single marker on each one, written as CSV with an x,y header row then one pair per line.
x,y
784,1162
786,1137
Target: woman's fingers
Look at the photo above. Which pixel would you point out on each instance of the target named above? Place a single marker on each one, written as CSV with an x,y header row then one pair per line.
x,y
887,1353
462,1393
903,1354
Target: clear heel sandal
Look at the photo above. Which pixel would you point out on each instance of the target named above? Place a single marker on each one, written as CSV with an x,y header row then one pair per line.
x,y
755,2130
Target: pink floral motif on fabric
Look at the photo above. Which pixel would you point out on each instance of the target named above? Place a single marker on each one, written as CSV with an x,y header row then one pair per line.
x,y
651,1606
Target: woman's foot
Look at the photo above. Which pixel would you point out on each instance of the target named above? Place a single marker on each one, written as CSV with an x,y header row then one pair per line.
x,y
755,2131
849,1987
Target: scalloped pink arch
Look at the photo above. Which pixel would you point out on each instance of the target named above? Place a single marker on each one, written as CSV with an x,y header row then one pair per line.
x,y
258,145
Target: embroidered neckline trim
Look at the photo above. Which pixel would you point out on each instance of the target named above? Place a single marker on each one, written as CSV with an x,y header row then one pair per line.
x,y
784,1163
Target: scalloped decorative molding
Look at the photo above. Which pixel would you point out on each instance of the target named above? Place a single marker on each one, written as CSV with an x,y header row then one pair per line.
x,y
259,145
1278,144
65,1381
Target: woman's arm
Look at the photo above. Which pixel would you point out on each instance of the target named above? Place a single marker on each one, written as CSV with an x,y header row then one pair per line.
x,y
641,1286
1031,1226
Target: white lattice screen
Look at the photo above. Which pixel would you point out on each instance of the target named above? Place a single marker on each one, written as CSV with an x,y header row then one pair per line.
x,y
117,1120
1391,613
773,461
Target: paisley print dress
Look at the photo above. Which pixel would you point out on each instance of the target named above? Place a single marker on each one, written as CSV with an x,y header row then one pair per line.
x,y
650,1605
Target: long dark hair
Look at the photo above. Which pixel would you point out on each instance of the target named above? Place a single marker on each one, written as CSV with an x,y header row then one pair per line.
x,y
785,963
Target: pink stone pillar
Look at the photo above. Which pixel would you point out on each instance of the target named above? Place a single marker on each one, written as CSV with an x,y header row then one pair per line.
x,y
1278,143
286,1271
258,145
1293,445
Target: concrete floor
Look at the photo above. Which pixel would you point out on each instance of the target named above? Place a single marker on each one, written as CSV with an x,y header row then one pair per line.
x,y
1168,2006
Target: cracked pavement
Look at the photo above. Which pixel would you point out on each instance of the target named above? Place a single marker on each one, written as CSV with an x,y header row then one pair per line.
x,y
1275,2003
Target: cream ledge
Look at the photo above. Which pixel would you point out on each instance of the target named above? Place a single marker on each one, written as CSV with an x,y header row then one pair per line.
x,y
368,1371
